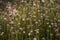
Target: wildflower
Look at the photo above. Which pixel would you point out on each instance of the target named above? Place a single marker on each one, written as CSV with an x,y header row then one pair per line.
x,y
47,23
31,31
12,22
36,22
22,0
43,1
56,30
29,13
23,19
13,32
34,4
38,10
2,33
37,30
59,20
1,1
34,16
8,25
27,18
39,20
49,26
10,14
34,38
44,14
15,10
34,19
51,34
41,16
12,28
24,32
5,18
43,38
29,34
9,6
46,17
16,19
18,23
21,29
52,23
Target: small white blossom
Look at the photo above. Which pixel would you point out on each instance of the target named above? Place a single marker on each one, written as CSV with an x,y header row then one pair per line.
x,y
2,33
12,22
43,38
29,34
58,20
34,38
43,1
12,28
36,22
34,4
23,31
23,19
13,32
15,10
27,18
5,18
47,23
52,23
22,0
31,31
49,26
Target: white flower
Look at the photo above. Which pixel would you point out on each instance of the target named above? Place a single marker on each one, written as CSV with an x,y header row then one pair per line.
x,y
13,32
52,23
21,29
22,0
29,34
43,38
12,28
36,22
56,30
43,1
27,18
47,23
37,30
41,16
15,11
39,20
5,18
51,34
34,38
31,31
49,26
12,22
34,4
34,16
23,19
59,20
2,33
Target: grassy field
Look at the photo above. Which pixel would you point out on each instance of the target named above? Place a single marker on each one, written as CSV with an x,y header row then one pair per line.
x,y
30,20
